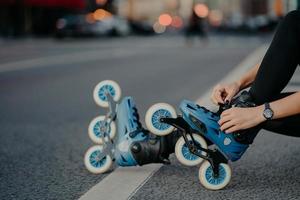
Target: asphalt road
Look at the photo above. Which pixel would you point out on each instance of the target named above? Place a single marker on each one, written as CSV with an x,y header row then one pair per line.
x,y
46,105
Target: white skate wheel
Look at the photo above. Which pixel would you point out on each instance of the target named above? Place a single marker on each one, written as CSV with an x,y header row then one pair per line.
x,y
99,127
207,179
153,115
107,86
183,153
92,162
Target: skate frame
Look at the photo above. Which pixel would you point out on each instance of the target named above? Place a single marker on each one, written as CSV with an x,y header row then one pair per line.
x,y
214,157
108,145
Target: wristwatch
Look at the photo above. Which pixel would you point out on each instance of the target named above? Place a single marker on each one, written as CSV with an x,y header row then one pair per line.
x,y
268,112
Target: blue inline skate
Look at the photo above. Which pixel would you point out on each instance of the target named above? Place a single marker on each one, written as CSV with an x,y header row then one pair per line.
x,y
119,135
197,127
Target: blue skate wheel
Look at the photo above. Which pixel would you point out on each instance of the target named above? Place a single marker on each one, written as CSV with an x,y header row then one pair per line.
x,y
104,87
153,116
209,181
184,155
98,127
93,163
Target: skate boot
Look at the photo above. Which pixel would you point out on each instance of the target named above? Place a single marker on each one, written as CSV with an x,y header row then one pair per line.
x,y
154,150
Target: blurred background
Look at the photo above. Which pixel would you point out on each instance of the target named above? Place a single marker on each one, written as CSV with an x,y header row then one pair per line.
x,y
67,18
53,53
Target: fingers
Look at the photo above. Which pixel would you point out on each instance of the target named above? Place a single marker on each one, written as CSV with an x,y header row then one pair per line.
x,y
224,120
232,91
218,96
217,93
235,119
227,122
227,125
229,96
224,92
226,112
232,129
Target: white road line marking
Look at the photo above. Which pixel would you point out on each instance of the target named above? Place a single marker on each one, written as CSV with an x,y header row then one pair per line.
x,y
72,58
123,183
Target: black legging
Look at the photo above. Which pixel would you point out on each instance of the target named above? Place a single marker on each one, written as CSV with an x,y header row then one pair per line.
x,y
276,70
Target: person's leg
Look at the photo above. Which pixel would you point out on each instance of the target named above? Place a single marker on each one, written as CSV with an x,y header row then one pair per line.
x,y
280,61
289,126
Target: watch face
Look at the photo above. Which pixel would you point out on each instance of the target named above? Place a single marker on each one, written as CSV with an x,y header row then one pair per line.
x,y
268,113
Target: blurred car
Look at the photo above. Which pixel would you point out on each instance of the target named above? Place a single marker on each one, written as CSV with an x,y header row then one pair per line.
x,y
141,28
79,26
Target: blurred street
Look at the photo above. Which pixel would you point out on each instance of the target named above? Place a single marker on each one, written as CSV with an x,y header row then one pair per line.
x,y
46,104
53,53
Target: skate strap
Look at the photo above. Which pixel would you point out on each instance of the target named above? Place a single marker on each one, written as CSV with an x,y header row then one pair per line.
x,y
134,133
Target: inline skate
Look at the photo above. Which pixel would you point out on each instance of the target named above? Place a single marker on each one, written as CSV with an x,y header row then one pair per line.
x,y
119,135
197,126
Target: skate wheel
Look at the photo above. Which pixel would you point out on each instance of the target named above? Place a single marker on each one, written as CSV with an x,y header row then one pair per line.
x,y
92,162
102,88
98,127
153,116
207,179
184,155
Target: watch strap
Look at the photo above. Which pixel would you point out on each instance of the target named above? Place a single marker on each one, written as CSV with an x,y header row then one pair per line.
x,y
267,106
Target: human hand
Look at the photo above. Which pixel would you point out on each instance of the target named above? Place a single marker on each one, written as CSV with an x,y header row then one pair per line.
x,y
235,119
224,92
